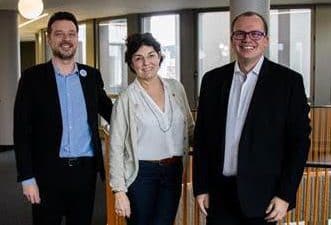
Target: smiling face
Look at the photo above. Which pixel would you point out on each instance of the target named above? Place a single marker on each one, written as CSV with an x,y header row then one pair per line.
x,y
249,51
146,62
63,39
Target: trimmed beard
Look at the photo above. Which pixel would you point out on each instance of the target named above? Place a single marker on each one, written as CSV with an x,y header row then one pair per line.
x,y
62,56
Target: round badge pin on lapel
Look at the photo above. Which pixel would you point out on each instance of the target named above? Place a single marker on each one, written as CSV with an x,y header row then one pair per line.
x,y
83,73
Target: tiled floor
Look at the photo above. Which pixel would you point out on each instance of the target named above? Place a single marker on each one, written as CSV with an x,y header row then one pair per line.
x,y
14,210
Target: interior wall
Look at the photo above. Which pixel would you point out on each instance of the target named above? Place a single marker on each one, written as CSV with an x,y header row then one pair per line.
x,y
188,52
90,46
28,54
134,26
40,47
322,79
9,64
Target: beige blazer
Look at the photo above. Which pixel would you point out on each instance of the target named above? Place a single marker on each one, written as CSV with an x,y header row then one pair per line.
x,y
123,162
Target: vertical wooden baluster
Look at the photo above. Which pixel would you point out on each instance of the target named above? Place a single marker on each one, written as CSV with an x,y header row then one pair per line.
x,y
299,206
110,216
316,194
326,196
308,201
324,123
196,214
313,134
184,196
328,133
319,135
288,218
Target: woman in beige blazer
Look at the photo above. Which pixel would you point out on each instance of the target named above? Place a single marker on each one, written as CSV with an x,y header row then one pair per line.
x,y
151,126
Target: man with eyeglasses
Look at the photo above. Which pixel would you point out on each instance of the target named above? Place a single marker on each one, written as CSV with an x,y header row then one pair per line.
x,y
57,144
252,133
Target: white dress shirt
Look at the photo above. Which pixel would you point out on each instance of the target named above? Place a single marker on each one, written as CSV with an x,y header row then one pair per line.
x,y
160,133
241,92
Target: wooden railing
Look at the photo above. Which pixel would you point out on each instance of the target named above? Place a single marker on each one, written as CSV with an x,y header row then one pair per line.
x,y
313,196
112,218
320,150
313,199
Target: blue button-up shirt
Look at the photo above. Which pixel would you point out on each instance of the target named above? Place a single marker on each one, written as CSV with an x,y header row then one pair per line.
x,y
76,134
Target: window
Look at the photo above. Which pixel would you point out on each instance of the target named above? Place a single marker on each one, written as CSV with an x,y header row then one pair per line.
x,y
214,41
290,40
112,36
81,48
165,29
289,33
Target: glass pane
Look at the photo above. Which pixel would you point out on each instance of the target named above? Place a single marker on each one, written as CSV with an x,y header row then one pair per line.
x,y
290,40
112,35
165,29
81,48
214,44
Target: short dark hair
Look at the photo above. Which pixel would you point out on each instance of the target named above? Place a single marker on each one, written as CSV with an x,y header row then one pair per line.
x,y
247,14
61,16
135,41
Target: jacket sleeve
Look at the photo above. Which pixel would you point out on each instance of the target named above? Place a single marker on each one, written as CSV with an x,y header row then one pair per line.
x,y
23,128
189,117
297,141
118,132
200,153
105,104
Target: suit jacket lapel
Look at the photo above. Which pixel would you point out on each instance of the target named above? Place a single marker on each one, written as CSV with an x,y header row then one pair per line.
x,y
223,106
258,91
225,91
84,77
51,94
51,85
254,106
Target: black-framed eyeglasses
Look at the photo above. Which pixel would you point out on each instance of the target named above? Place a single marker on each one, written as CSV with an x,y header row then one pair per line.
x,y
254,35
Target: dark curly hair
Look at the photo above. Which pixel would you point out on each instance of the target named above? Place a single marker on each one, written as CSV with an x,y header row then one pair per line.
x,y
135,41
61,16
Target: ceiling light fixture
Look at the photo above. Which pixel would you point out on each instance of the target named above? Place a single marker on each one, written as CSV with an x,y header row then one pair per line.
x,y
31,21
30,9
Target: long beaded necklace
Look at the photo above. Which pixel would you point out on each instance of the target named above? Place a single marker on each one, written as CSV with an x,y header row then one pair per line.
x,y
164,130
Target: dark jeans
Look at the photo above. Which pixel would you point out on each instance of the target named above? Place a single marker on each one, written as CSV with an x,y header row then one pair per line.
x,y
154,195
69,194
224,206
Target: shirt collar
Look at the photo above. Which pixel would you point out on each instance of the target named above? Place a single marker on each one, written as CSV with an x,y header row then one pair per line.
x,y
255,70
57,70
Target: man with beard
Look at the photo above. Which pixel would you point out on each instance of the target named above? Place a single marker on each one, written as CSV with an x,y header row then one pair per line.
x,y
57,144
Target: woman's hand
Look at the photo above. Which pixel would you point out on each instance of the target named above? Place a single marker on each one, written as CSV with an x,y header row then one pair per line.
x,y
122,204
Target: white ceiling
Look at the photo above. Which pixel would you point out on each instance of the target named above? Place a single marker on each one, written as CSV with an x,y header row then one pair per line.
x,y
86,9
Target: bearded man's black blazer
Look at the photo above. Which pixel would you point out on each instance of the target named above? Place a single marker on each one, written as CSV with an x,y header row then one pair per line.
x,y
38,121
274,142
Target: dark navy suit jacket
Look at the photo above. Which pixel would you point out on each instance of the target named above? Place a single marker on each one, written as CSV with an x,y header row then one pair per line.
x,y
274,142
38,122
